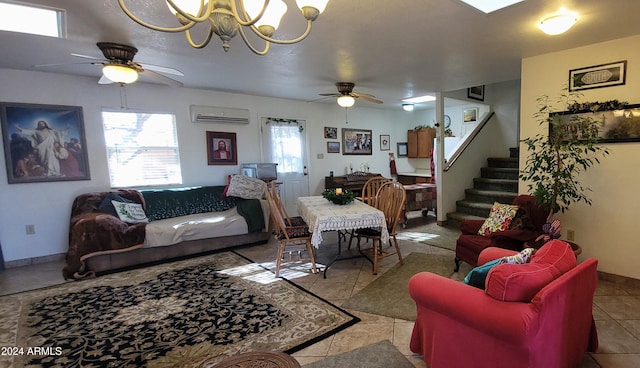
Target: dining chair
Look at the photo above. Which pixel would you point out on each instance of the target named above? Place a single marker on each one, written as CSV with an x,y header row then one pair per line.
x,y
289,235
390,199
368,195
272,187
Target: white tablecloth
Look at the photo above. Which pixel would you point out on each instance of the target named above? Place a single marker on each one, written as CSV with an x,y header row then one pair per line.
x,y
322,215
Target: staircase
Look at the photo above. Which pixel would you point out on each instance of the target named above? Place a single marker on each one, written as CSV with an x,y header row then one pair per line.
x,y
498,183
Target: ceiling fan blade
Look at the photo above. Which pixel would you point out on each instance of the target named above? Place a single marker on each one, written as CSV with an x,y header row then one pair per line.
x,y
59,64
366,97
104,80
162,69
330,94
161,78
86,57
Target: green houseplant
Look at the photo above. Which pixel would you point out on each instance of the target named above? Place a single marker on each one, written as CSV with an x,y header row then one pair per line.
x,y
556,160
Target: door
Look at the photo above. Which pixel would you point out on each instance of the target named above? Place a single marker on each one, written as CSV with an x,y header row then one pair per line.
x,y
284,142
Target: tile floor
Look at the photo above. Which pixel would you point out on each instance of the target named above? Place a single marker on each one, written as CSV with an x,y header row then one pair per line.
x,y
616,306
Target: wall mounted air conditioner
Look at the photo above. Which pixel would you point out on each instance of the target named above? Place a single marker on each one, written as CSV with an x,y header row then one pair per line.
x,y
218,115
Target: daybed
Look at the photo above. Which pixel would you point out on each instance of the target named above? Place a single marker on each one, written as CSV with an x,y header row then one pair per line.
x,y
175,223
534,315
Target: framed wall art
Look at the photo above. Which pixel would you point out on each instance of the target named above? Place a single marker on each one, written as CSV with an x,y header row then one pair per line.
x,y
470,115
598,76
331,133
333,147
476,93
44,143
385,142
403,149
613,126
222,148
356,141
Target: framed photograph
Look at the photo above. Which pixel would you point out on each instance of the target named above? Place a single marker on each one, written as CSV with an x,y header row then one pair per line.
x,y
222,148
333,147
476,93
403,150
598,76
385,142
613,126
44,143
331,133
356,141
470,115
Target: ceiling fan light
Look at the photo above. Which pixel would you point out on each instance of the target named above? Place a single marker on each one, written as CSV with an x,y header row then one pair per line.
x,y
317,4
346,101
558,23
120,73
407,107
272,15
188,6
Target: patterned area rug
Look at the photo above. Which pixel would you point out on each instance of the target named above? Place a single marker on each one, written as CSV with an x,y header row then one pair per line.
x,y
183,314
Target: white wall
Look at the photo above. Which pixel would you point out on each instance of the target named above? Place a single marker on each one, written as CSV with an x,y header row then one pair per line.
x,y
607,229
47,205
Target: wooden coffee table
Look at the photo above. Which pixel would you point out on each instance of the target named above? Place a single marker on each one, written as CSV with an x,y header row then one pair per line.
x,y
263,359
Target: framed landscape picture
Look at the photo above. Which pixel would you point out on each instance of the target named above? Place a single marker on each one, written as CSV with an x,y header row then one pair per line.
x,y
613,125
222,148
333,147
356,141
44,143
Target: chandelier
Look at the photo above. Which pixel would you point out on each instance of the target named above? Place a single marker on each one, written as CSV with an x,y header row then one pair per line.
x,y
226,19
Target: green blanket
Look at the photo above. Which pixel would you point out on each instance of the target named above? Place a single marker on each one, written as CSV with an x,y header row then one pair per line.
x,y
251,210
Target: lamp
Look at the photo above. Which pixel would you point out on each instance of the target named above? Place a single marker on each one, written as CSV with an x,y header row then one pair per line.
x,y
226,19
558,23
407,107
120,73
346,101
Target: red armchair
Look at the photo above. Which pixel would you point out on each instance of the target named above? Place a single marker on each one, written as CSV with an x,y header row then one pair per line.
x,y
470,243
458,325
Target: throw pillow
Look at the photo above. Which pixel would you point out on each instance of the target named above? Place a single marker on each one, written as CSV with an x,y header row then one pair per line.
x,y
131,213
107,207
519,258
522,220
246,187
499,219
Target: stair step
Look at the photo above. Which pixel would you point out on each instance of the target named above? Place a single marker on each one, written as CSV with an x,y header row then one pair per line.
x,y
489,196
503,185
474,208
512,162
454,219
500,173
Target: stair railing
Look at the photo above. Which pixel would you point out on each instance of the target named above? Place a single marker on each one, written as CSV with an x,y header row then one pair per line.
x,y
464,143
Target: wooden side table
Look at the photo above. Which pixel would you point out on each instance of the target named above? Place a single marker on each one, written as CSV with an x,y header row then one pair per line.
x,y
263,359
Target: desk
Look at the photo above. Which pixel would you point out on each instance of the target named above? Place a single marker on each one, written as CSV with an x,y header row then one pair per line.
x,y
322,215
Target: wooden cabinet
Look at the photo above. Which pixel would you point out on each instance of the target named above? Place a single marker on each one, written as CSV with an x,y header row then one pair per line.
x,y
420,142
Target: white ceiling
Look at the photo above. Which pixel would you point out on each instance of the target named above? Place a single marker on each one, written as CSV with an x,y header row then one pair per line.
x,y
391,49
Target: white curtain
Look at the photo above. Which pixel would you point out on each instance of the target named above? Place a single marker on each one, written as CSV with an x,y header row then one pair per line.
x,y
286,144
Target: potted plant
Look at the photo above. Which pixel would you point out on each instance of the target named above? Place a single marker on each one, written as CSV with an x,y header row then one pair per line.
x,y
556,160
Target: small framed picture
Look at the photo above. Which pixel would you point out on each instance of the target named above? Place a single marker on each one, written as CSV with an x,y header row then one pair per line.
x,y
470,115
402,149
476,93
222,148
331,133
385,142
333,147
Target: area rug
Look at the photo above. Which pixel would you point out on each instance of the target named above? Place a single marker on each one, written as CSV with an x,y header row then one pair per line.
x,y
388,295
377,355
431,234
182,314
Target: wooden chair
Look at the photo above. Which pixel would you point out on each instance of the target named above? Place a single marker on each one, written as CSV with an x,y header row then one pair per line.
x,y
390,199
369,193
272,187
288,235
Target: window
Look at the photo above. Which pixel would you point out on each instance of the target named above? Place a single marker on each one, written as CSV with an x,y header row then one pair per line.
x,y
33,19
142,149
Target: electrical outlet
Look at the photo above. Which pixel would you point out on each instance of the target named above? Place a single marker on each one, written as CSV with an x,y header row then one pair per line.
x,y
571,235
30,229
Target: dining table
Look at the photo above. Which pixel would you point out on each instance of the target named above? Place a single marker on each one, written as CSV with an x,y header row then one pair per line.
x,y
322,215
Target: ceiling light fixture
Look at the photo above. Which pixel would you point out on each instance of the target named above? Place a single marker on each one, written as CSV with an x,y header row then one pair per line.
x,y
120,73
558,23
226,19
346,101
407,107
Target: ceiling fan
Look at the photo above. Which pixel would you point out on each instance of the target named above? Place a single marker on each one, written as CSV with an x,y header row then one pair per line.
x,y
346,96
119,67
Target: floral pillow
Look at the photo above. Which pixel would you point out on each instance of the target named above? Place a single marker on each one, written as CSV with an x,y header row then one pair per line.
x,y
499,219
246,187
130,213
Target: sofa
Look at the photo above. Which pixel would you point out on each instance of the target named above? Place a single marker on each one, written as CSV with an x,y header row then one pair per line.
x,y
164,224
535,315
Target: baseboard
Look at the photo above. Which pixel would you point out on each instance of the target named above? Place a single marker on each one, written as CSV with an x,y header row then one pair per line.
x,y
35,260
629,281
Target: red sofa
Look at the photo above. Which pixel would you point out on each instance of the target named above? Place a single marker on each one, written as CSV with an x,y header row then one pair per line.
x,y
458,325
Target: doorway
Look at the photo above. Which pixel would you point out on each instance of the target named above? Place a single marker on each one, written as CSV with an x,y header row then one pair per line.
x,y
284,142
